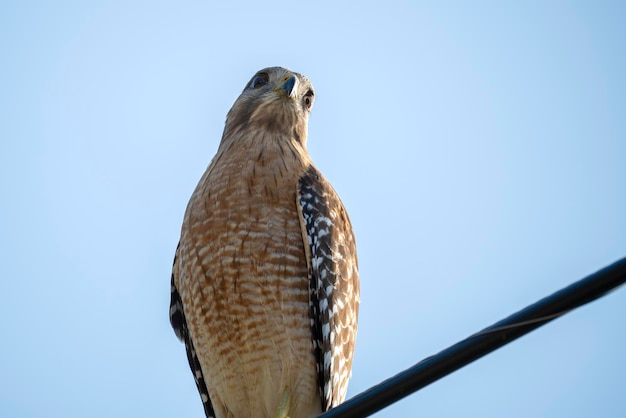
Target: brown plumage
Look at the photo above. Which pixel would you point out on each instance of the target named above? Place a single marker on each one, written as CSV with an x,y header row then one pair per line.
x,y
265,288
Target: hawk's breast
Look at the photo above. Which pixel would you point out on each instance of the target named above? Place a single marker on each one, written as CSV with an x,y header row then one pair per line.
x,y
245,288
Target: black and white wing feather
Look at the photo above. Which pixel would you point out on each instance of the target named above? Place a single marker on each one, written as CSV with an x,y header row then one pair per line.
x,y
333,283
179,323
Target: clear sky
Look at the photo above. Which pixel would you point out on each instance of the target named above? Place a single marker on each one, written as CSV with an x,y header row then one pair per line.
x,y
480,149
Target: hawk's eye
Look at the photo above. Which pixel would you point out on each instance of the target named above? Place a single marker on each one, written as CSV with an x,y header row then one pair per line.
x,y
259,80
308,99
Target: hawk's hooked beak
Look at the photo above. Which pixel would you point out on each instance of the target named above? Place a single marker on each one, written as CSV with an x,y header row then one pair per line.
x,y
289,86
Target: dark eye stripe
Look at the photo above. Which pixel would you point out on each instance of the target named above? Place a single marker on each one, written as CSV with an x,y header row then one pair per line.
x,y
259,80
308,98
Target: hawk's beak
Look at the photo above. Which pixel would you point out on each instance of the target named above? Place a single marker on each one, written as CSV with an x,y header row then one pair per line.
x,y
289,86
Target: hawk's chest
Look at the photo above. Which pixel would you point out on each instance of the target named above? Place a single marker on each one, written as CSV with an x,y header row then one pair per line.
x,y
245,284
246,228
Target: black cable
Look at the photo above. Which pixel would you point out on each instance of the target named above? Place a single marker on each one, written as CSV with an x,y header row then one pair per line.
x,y
484,342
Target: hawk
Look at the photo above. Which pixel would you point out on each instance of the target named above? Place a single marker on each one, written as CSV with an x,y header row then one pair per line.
x,y
265,285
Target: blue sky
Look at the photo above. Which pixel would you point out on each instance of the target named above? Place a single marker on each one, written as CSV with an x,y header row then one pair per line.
x,y
480,150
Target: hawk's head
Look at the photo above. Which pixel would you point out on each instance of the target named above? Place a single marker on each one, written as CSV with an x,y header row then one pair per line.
x,y
275,100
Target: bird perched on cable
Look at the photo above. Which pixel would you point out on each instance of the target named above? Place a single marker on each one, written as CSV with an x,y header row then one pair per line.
x,y
265,285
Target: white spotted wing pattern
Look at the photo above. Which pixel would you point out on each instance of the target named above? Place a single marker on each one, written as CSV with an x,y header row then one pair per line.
x,y
334,283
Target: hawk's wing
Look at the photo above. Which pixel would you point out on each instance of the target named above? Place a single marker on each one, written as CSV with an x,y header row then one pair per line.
x,y
333,283
179,323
